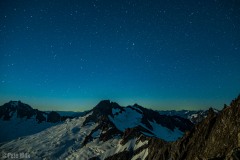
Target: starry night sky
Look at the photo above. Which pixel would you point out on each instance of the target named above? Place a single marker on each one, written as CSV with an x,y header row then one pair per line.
x,y
69,55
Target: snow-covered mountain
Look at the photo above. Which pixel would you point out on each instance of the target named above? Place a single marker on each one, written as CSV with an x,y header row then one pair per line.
x,y
18,119
112,132
106,131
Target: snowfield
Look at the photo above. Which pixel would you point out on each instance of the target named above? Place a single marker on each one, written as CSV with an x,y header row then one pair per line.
x,y
165,133
19,127
131,118
65,141
127,119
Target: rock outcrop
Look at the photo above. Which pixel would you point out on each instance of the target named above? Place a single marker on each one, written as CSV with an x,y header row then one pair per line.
x,y
216,137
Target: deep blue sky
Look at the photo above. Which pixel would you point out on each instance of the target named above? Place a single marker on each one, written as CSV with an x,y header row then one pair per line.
x,y
69,55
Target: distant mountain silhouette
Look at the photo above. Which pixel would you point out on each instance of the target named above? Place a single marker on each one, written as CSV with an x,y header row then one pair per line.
x,y
195,116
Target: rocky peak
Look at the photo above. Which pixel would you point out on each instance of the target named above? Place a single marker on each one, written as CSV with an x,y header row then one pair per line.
x,y
103,104
236,102
105,107
102,110
210,112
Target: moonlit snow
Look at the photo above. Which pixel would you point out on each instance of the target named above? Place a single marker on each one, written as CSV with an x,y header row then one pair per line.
x,y
131,118
66,141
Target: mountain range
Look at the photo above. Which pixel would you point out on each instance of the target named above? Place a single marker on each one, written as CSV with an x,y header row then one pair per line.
x,y
110,131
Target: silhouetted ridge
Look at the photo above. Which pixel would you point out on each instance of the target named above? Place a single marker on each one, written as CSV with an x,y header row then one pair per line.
x,y
105,107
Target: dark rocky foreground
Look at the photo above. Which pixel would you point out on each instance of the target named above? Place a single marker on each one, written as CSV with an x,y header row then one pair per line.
x,y
216,137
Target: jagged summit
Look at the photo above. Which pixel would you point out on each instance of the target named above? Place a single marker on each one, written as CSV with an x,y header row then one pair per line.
x,y
116,119
105,107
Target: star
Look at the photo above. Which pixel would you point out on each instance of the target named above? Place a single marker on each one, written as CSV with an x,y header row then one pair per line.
x,y
120,50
